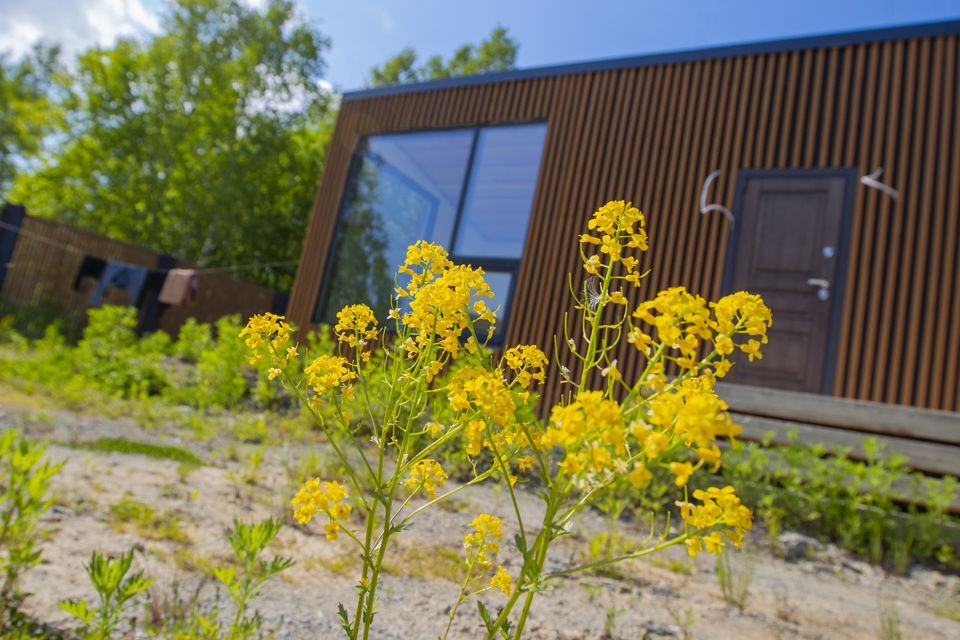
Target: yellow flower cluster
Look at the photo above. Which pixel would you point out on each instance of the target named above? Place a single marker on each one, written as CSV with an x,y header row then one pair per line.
x,y
356,325
694,412
424,262
326,373
267,336
501,580
590,430
477,390
444,297
681,319
718,507
322,497
745,313
483,543
427,475
529,362
621,227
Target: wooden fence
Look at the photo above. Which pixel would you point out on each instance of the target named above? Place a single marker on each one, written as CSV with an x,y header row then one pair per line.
x,y
39,260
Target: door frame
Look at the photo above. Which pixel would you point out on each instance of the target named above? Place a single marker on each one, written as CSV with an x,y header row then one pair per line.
x,y
838,287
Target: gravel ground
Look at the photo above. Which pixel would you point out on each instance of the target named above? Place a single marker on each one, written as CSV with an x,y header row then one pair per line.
x,y
824,594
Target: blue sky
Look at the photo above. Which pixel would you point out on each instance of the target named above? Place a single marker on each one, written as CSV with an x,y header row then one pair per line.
x,y
366,32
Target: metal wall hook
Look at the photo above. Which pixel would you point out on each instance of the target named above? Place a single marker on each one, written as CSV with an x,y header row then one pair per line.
x,y
706,208
872,180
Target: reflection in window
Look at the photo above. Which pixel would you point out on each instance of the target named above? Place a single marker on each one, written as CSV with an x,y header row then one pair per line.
x,y
403,188
500,192
412,186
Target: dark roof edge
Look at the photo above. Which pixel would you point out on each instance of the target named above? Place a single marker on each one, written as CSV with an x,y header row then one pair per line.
x,y
846,38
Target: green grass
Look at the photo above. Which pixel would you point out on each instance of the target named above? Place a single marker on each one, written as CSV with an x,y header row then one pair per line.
x,y
129,514
122,445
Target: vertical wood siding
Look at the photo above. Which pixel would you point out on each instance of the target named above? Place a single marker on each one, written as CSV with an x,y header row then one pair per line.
x,y
651,134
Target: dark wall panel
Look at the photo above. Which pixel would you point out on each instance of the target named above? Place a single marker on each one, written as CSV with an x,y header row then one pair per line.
x,y
651,134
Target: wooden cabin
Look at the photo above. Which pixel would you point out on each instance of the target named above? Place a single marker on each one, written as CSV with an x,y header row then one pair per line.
x,y
836,196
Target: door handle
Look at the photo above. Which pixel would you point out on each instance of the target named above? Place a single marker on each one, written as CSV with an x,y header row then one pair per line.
x,y
822,285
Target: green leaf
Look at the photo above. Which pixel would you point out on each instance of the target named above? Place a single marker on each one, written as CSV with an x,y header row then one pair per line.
x,y
79,610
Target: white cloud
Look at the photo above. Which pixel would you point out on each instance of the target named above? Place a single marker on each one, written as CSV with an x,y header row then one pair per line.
x,y
74,24
387,23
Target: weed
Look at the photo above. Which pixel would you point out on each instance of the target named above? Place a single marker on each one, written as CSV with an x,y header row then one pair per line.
x,y
114,589
889,620
610,622
24,498
735,579
129,514
685,621
248,542
172,609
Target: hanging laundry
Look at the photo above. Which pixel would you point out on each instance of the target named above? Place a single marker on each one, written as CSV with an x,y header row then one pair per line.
x,y
178,287
90,267
118,275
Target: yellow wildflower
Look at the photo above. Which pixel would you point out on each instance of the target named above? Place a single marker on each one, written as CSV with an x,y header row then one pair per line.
x,y
483,542
682,471
356,325
428,475
328,372
328,497
714,543
528,361
640,476
267,336
501,580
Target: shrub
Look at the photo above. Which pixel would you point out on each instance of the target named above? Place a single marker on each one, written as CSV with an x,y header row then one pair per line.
x,y
109,356
854,503
606,427
25,498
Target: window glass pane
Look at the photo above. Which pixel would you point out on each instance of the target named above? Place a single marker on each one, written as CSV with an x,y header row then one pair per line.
x,y
500,192
403,188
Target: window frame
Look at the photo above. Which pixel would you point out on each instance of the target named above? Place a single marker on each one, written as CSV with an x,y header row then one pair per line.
x,y
488,264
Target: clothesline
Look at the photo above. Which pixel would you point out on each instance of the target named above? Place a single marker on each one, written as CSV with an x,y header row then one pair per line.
x,y
198,270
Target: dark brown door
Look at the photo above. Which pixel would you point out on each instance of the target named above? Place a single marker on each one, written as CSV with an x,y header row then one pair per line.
x,y
788,250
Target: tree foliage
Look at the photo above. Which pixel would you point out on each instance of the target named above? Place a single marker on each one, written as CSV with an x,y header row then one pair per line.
x,y
497,53
27,108
204,141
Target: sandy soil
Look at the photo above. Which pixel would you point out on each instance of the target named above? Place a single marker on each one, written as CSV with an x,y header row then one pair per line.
x,y
830,595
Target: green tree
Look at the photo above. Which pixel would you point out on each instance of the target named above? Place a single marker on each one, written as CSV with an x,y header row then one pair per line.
x,y
204,141
28,111
497,53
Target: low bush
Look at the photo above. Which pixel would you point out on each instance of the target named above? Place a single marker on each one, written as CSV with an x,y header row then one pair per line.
x,y
25,477
875,507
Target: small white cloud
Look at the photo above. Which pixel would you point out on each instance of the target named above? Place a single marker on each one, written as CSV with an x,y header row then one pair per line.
x,y
325,86
387,23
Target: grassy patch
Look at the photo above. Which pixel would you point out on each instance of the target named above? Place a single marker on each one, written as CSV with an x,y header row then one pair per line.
x,y
426,562
341,564
129,514
122,445
676,566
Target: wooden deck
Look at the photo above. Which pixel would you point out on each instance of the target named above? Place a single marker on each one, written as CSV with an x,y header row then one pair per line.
x,y
929,439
